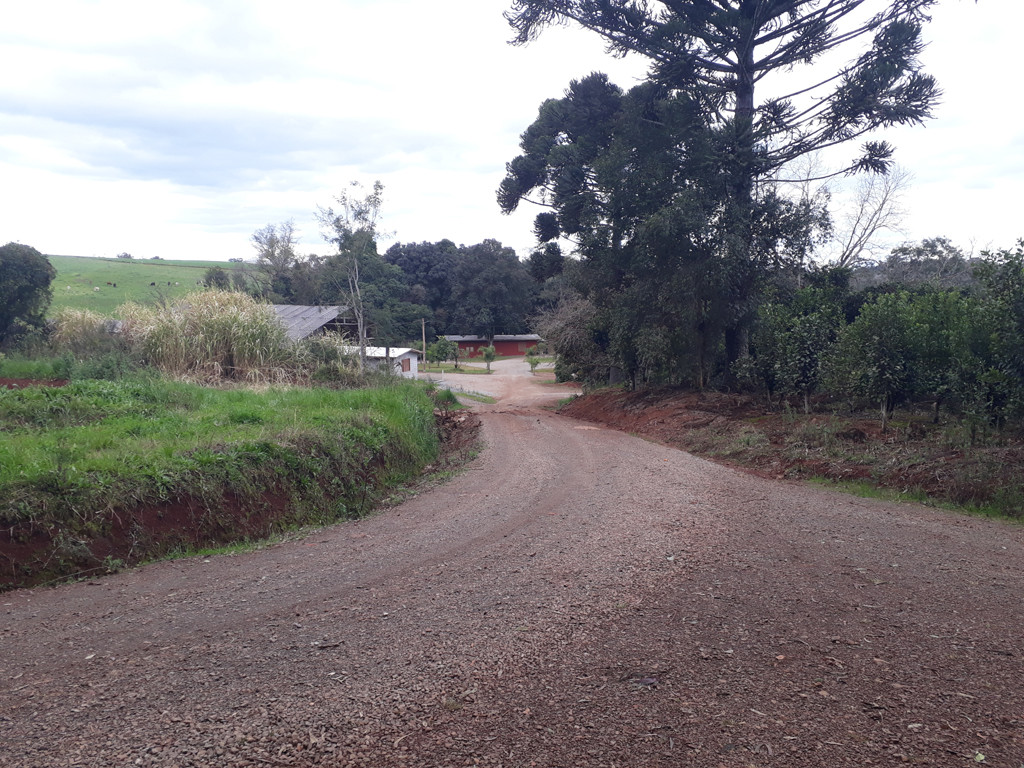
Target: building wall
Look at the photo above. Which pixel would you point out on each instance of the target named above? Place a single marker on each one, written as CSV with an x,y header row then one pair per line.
x,y
399,364
503,348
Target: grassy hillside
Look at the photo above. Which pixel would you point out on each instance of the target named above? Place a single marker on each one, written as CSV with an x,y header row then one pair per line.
x,y
136,280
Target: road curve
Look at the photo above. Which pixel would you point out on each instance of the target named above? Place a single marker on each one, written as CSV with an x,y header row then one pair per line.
x,y
577,597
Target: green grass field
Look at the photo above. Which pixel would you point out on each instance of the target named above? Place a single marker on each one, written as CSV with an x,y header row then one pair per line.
x,y
79,276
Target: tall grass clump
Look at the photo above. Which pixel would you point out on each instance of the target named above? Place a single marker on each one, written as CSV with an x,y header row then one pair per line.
x,y
210,335
82,332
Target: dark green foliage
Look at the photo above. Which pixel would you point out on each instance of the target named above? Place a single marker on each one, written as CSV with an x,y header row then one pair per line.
x,y
877,353
491,291
427,269
632,178
25,291
548,262
480,289
1001,275
442,350
672,183
948,349
792,343
216,277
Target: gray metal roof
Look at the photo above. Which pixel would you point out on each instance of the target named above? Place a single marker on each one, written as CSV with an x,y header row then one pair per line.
x,y
301,321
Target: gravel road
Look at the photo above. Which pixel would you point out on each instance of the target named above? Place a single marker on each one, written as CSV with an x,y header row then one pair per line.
x,y
577,597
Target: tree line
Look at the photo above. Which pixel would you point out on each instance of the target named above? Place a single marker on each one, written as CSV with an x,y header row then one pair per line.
x,y
482,289
926,326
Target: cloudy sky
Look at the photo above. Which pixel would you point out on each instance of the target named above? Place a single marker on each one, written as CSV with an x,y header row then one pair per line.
x,y
179,128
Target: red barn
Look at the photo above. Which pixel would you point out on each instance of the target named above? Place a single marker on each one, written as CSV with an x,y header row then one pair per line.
x,y
507,345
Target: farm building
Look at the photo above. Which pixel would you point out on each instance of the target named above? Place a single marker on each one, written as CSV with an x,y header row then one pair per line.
x,y
507,345
301,321
404,360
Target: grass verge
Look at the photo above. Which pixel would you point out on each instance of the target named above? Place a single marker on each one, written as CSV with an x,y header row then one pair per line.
x,y
446,368
122,471
478,397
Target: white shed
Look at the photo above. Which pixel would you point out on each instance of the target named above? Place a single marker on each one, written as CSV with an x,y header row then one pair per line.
x,y
404,360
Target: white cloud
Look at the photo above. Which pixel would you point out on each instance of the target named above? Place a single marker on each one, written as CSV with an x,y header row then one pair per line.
x,y
178,129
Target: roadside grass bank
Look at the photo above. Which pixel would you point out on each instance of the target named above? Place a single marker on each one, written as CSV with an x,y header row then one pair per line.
x,y
954,463
100,473
450,368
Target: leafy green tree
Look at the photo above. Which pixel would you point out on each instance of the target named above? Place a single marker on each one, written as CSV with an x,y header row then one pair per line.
x,y
629,177
491,291
795,335
944,360
276,259
25,288
442,349
877,353
428,269
489,354
719,55
353,230
216,277
1001,274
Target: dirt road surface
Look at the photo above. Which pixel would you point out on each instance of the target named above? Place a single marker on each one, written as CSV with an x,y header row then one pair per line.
x,y
578,597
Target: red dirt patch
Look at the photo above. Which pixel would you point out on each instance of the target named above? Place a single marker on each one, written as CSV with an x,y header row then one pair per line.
x,y
8,383
914,456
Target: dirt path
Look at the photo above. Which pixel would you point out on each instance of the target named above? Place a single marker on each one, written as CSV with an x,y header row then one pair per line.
x,y
579,597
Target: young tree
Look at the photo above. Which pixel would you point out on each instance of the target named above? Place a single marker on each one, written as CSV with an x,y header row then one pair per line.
x,y
275,257
442,349
489,354
25,292
720,53
353,230
878,354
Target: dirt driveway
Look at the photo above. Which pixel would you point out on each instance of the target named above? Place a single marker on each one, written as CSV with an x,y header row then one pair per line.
x,y
578,597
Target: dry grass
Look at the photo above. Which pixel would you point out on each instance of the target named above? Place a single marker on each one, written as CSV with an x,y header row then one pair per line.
x,y
211,335
80,331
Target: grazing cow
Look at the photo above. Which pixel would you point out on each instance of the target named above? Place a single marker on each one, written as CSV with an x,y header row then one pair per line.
x,y
168,282
109,283
114,284
177,283
152,284
97,290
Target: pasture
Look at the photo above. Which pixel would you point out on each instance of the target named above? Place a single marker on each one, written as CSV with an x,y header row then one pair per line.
x,y
102,285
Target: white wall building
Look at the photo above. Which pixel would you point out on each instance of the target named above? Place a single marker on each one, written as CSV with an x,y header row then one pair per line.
x,y
404,360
